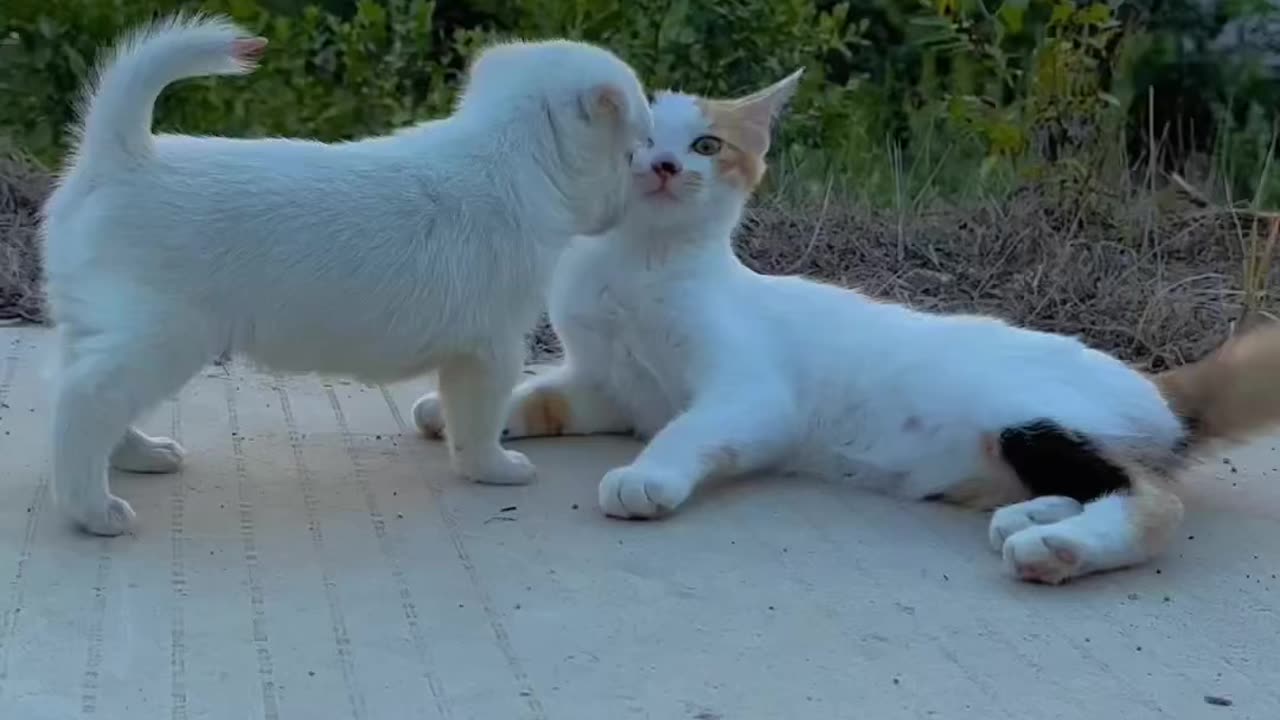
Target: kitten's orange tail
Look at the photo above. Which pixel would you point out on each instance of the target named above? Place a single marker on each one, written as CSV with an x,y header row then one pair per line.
x,y
1233,393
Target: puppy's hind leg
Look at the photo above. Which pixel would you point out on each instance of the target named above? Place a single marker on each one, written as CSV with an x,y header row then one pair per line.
x,y
475,391
141,453
104,385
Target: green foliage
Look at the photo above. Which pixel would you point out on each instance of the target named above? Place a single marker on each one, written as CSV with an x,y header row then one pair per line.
x,y
385,65
901,98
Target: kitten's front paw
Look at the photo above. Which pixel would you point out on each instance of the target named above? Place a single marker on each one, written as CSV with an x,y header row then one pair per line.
x,y
1041,554
633,492
142,454
506,468
429,416
115,517
1012,519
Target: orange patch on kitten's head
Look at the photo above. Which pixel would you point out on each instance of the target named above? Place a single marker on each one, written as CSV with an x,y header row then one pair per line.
x,y
745,125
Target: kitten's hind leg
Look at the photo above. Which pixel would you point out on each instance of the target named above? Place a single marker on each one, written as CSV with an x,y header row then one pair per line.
x,y
1114,531
1015,518
723,434
562,402
558,402
474,394
1092,509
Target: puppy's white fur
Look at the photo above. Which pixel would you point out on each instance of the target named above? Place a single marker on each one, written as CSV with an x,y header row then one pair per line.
x,y
380,259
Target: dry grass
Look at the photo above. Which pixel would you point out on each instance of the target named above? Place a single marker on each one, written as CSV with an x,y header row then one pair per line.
x,y
1156,278
23,186
1154,281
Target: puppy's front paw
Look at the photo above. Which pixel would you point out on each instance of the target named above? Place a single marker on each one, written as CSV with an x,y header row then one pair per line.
x,y
506,468
634,493
429,416
1044,554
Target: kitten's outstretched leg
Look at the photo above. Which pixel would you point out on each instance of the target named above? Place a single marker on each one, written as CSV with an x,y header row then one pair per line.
x,y
1114,531
558,402
474,392
721,435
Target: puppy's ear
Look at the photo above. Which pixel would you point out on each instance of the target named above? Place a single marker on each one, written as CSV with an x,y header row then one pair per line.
x,y
605,103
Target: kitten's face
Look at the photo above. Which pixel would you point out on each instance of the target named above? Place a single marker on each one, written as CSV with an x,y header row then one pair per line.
x,y
704,152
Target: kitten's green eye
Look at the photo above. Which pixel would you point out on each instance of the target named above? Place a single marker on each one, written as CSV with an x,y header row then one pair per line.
x,y
707,145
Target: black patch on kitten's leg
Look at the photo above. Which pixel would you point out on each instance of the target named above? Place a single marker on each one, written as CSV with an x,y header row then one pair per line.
x,y
1191,427
1050,460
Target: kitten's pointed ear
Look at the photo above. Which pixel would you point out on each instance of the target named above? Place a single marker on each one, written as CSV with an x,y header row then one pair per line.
x,y
764,106
604,103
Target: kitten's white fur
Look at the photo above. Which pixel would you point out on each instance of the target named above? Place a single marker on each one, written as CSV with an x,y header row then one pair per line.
x,y
725,371
379,259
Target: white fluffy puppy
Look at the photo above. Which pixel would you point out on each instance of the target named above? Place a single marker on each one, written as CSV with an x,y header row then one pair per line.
x,y
379,259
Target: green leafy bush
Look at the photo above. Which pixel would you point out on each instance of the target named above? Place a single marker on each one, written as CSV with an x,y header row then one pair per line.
x,y
386,64
327,77
900,97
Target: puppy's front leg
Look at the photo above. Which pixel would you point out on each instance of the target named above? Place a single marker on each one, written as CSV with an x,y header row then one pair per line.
x,y
474,393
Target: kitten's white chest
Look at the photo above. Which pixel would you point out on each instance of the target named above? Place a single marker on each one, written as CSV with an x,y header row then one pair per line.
x,y
631,329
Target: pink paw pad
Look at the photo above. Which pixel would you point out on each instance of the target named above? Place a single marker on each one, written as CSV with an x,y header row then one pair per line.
x,y
1058,565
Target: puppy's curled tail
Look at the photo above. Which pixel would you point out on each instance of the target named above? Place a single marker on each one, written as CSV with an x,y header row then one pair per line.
x,y
115,126
1230,395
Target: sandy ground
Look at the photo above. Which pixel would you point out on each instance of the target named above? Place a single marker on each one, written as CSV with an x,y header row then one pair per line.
x,y
316,560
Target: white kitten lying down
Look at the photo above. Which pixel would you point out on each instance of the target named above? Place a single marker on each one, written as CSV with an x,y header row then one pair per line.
x,y
379,259
725,371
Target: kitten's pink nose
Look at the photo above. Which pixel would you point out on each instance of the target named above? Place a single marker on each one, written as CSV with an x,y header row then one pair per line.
x,y
666,166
